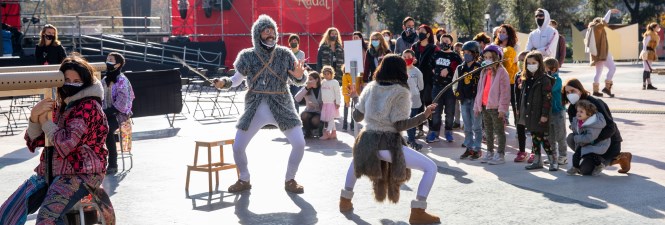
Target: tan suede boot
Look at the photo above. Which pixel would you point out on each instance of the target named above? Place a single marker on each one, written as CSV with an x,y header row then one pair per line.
x,y
596,90
345,203
608,88
623,160
419,216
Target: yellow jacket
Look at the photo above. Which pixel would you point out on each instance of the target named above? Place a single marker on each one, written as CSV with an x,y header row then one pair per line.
x,y
346,82
510,64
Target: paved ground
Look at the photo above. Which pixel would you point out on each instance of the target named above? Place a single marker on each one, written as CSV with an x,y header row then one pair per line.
x,y
465,192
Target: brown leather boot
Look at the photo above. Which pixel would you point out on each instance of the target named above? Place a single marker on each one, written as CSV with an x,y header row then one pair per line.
x,y
623,160
293,187
608,88
419,216
345,203
596,90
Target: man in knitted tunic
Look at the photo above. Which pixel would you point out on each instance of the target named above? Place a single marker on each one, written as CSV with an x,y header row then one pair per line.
x,y
267,68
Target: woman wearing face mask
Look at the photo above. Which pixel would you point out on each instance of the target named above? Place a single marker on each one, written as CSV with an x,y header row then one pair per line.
x,y
294,44
507,38
387,36
49,50
573,91
331,52
76,132
117,104
424,53
377,49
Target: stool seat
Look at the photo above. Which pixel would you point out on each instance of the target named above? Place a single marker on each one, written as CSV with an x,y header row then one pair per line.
x,y
210,167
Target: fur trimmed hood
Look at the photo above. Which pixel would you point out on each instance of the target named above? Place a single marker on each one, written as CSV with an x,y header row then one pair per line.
x,y
264,21
94,90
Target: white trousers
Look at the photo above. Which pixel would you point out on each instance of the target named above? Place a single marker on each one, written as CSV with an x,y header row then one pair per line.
x,y
263,117
414,160
611,68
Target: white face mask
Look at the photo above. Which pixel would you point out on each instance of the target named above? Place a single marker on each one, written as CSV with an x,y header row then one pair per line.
x,y
532,67
386,38
573,98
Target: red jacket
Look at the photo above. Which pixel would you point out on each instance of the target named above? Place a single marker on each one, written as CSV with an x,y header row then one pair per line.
x,y
78,134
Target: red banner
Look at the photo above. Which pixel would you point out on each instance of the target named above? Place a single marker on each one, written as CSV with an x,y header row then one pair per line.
x,y
11,13
307,18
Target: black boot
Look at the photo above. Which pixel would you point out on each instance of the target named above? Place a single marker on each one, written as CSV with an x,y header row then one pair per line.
x,y
645,75
346,113
651,87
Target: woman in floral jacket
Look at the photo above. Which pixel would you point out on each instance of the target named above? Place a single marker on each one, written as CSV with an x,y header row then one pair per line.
x,y
76,163
117,103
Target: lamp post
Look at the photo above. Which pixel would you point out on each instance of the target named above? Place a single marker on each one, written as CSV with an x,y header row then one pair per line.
x,y
487,22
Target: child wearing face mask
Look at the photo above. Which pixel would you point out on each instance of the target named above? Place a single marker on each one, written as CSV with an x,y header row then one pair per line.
x,y
493,99
586,128
465,92
331,97
535,108
516,96
445,63
416,85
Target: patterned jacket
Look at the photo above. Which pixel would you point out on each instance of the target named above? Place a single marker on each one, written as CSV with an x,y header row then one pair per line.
x,y
120,96
326,57
78,135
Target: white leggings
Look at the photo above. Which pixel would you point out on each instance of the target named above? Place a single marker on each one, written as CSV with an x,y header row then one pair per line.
x,y
609,63
646,65
264,117
331,126
414,160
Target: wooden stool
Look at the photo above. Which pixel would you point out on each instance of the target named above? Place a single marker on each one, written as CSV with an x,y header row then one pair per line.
x,y
210,167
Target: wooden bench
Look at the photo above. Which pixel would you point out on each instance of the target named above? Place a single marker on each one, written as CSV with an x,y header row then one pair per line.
x,y
211,166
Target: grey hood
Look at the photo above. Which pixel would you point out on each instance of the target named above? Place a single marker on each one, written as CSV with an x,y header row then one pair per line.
x,y
264,21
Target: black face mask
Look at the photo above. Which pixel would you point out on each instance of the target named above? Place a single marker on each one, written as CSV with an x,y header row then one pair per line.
x,y
69,90
110,67
540,22
332,38
422,36
294,45
445,46
49,37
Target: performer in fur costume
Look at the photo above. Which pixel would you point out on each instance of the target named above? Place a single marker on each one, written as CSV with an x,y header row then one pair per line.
x,y
268,68
598,48
379,151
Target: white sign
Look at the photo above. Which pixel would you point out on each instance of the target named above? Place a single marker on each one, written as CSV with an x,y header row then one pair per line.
x,y
353,51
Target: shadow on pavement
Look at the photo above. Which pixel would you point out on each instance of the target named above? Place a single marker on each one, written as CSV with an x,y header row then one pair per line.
x,y
628,122
642,101
111,182
307,214
209,205
17,156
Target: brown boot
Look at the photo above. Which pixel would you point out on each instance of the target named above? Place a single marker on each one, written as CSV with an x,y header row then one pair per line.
x,y
608,88
596,89
623,160
345,204
419,216
240,186
293,187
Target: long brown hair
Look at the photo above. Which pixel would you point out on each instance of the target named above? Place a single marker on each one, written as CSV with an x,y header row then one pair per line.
x,y
541,67
316,76
574,83
82,67
42,40
651,28
324,39
383,45
392,69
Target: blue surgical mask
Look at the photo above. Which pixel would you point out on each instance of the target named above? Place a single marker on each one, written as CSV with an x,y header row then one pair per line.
x,y
375,43
486,62
503,37
468,58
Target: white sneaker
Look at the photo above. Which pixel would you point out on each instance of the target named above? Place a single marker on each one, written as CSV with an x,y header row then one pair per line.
x,y
498,159
562,160
488,157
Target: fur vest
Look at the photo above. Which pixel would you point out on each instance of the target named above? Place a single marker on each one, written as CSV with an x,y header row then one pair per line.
x,y
382,106
270,84
599,36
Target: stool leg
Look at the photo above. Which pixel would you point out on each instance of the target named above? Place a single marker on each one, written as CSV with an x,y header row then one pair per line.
x,y
187,183
216,180
196,154
81,216
209,173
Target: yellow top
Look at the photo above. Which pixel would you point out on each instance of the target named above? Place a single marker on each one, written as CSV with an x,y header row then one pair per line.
x,y
510,64
346,82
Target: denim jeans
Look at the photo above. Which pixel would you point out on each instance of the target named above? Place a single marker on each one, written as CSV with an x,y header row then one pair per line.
x,y
558,132
473,133
411,133
447,101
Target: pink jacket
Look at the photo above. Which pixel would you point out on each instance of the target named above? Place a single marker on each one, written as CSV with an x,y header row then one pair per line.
x,y
499,97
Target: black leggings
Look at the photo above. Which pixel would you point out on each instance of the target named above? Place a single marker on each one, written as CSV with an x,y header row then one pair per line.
x,y
521,136
310,120
592,160
110,141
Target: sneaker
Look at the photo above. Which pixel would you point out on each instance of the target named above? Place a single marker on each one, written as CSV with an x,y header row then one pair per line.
x,y
497,160
562,160
449,136
414,145
573,171
488,157
531,156
476,155
420,134
463,145
521,156
466,154
456,125
432,137
293,187
240,186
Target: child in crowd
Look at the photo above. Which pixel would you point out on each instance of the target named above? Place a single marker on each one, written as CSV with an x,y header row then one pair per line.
x,y
558,112
586,127
416,85
445,61
493,99
517,93
347,81
535,107
465,91
331,97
